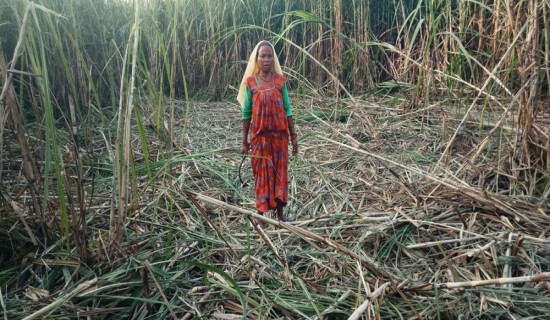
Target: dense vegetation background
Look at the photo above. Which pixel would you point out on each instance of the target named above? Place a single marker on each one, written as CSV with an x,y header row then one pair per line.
x,y
80,73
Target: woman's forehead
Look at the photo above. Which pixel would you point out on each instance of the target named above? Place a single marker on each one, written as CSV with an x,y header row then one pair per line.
x,y
265,49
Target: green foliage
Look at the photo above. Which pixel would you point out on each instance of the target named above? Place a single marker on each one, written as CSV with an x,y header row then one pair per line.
x,y
82,51
209,41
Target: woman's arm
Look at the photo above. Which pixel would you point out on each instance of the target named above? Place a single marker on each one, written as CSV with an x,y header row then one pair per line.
x,y
245,145
293,136
288,110
247,114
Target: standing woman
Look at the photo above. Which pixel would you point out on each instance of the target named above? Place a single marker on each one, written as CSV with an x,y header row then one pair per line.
x,y
266,113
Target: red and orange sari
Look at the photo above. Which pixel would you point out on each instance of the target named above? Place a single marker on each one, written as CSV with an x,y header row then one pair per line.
x,y
269,142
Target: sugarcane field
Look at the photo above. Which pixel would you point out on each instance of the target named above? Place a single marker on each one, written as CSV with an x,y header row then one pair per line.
x,y
282,159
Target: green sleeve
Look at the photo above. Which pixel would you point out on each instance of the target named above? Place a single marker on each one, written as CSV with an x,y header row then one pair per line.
x,y
286,101
247,105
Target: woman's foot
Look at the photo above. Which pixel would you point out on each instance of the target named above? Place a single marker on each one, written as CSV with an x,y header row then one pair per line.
x,y
281,217
286,219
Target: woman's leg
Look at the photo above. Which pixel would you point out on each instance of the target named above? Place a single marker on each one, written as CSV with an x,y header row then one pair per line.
x,y
280,213
261,223
279,210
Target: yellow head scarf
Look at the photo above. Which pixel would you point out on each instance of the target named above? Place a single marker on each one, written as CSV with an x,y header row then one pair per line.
x,y
253,68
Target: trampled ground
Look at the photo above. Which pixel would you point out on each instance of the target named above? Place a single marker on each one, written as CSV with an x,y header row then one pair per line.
x,y
372,212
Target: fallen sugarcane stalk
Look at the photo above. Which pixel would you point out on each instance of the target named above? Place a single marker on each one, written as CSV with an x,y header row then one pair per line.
x,y
476,251
298,231
436,243
544,276
40,314
371,297
469,192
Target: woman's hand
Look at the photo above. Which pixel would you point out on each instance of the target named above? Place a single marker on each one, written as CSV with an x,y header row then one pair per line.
x,y
293,135
294,145
244,147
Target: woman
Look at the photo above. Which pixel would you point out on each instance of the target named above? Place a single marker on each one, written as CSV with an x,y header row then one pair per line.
x,y
267,115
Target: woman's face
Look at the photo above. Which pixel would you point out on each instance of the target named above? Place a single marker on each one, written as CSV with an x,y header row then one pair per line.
x,y
265,58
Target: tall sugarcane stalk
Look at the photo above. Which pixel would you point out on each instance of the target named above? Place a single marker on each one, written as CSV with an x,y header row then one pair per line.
x,y
125,134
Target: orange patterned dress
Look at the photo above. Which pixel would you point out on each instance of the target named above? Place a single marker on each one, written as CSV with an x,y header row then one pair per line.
x,y
269,142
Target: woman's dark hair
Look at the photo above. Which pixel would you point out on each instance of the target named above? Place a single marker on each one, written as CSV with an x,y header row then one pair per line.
x,y
264,43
